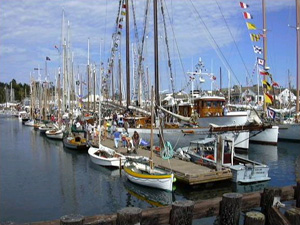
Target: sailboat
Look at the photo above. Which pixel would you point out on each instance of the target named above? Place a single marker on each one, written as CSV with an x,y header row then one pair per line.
x,y
57,132
102,155
290,131
145,173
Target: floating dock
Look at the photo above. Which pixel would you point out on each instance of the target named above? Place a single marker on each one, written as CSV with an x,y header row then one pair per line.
x,y
187,172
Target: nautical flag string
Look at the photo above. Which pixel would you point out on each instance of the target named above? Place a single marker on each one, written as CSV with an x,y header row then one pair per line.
x,y
263,72
244,5
266,85
271,113
268,98
247,15
254,37
257,49
251,26
261,62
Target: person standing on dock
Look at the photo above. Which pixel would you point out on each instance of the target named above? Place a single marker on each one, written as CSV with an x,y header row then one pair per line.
x,y
135,141
117,137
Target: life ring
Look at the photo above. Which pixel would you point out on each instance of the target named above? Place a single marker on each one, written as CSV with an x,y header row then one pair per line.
x,y
210,157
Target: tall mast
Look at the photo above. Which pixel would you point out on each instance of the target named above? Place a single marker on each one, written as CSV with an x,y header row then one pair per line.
x,y
120,81
127,55
264,46
156,76
298,56
88,74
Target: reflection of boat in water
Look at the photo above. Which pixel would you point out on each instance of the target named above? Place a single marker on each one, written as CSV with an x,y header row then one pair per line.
x,y
241,188
107,171
153,196
203,191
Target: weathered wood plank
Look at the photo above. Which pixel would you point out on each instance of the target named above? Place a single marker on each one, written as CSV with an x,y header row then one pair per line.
x,y
276,217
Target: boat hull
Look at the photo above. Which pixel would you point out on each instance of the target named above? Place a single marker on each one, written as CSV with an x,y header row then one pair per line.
x,y
77,147
164,182
179,137
104,161
268,136
249,174
58,135
289,132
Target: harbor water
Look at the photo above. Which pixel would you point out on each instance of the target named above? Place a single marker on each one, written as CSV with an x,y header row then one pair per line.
x,y
40,180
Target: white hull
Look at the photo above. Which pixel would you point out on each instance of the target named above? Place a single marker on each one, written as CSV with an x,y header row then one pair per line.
x,y
106,161
268,136
29,123
289,132
249,174
233,118
179,139
55,135
155,182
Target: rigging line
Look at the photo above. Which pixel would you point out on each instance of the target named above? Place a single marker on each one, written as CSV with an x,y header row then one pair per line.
x,y
176,43
232,38
215,45
168,49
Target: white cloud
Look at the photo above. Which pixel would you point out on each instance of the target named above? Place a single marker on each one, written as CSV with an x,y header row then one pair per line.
x,y
29,29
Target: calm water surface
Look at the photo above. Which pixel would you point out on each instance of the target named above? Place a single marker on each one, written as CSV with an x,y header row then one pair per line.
x,y
40,180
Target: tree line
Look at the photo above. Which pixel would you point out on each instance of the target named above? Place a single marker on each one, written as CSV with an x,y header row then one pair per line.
x,y
21,90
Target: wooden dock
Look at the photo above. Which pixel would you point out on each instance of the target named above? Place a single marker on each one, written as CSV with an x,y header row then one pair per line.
x,y
187,172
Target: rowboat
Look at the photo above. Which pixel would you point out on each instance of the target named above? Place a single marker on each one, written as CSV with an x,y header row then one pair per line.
x,y
105,156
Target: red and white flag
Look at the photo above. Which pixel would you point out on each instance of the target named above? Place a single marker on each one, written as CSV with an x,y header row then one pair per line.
x,y
243,5
247,15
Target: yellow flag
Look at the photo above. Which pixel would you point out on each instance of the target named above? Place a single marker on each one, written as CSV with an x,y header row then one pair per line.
x,y
255,37
251,26
268,99
266,85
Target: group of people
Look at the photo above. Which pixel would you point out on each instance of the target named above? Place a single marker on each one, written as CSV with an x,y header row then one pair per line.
x,y
131,143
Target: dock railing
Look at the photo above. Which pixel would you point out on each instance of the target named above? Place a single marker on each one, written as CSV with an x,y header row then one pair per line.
x,y
227,210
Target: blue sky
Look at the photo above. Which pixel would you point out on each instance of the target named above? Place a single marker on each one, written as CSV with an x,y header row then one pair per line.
x,y
29,30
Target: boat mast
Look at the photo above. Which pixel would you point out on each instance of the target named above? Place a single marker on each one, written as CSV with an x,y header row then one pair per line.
x,y
298,57
156,76
264,48
127,55
151,126
88,74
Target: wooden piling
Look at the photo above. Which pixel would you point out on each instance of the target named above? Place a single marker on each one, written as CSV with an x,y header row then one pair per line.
x,y
293,215
120,169
72,219
129,216
267,201
276,217
230,208
254,218
297,194
182,213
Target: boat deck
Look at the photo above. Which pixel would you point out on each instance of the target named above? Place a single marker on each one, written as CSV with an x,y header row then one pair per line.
x,y
184,171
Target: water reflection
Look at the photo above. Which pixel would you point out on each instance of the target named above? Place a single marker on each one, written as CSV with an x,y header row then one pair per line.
x,y
154,197
40,180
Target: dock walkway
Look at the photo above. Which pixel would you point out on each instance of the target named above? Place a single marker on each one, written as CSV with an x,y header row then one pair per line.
x,y
184,171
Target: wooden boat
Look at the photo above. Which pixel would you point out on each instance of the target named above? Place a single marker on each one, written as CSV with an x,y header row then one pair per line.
x,y
142,174
55,134
145,173
206,152
105,156
76,143
29,123
44,127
